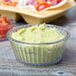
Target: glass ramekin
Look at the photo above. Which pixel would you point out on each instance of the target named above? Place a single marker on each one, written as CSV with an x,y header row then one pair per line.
x,y
38,54
6,28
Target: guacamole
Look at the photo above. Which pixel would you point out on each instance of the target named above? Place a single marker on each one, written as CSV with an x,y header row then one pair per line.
x,y
38,34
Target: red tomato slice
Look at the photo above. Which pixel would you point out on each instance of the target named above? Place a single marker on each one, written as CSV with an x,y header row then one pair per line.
x,y
42,6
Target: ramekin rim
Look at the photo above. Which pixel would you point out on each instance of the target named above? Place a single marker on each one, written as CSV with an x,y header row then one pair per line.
x,y
28,25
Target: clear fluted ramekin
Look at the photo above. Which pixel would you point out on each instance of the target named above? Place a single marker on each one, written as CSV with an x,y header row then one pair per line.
x,y
37,54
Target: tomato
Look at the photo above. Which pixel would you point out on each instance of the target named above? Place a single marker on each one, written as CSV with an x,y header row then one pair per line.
x,y
14,3
1,19
58,1
42,6
4,17
4,26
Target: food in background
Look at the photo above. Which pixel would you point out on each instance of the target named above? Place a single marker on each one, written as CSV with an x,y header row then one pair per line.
x,y
5,26
9,3
42,4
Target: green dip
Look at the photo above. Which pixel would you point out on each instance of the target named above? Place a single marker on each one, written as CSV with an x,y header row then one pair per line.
x,y
37,34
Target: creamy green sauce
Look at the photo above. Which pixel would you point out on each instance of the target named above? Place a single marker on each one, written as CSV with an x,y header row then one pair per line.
x,y
37,34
